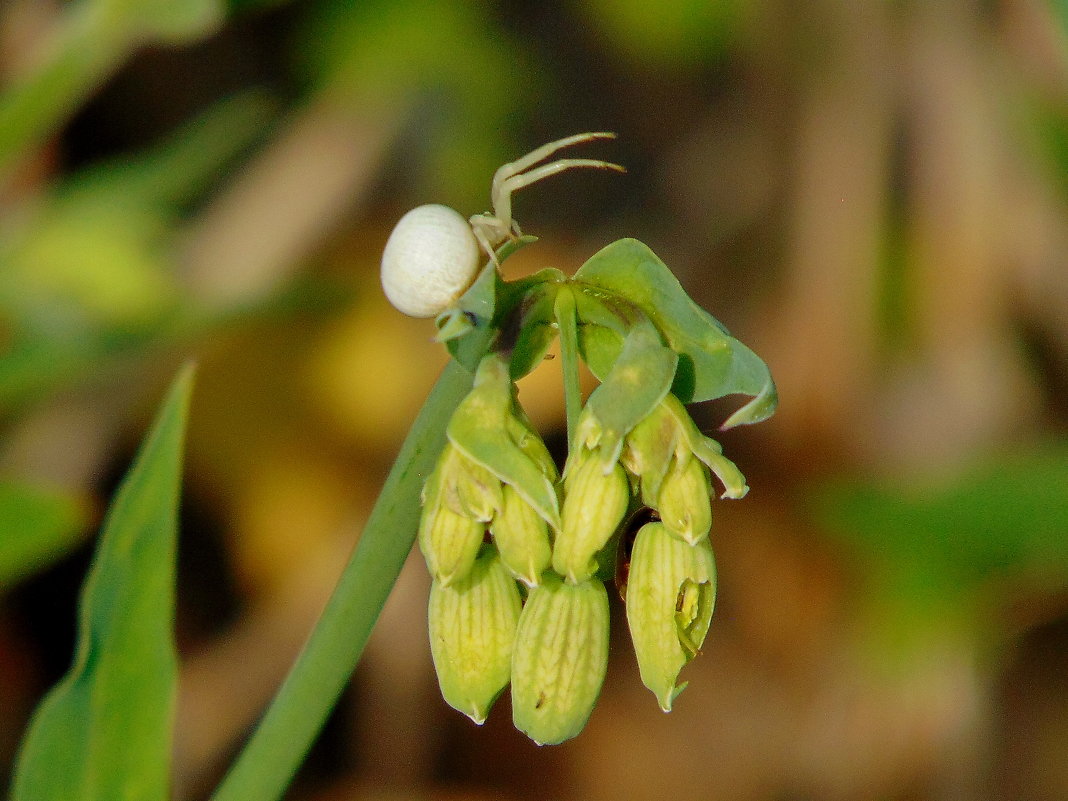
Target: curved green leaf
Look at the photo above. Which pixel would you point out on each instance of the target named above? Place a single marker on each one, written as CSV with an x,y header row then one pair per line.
x,y
712,363
104,732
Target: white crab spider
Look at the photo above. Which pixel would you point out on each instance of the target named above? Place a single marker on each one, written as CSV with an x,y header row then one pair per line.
x,y
433,254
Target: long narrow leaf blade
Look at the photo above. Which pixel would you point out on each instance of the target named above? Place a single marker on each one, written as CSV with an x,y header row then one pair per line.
x,y
104,732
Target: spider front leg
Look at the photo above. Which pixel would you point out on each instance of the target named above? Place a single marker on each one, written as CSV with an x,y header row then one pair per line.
x,y
503,206
506,171
492,230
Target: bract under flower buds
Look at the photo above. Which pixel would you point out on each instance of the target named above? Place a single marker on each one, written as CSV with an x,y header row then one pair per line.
x,y
560,658
472,632
480,429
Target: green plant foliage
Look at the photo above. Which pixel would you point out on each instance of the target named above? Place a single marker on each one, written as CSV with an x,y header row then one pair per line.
x,y
104,732
87,274
1005,517
939,558
669,35
712,363
38,525
384,54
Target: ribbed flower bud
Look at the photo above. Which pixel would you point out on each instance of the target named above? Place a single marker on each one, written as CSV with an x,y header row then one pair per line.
x,y
472,490
449,542
450,531
522,538
472,632
560,658
649,448
528,440
594,505
685,502
671,593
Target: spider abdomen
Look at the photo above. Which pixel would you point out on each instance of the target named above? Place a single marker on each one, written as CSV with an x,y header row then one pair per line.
x,y
430,259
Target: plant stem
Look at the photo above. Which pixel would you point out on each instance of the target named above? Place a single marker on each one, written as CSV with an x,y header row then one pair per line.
x,y
265,767
566,319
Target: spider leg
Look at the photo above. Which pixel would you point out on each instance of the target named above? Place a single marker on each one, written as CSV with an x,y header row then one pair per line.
x,y
503,206
488,233
512,168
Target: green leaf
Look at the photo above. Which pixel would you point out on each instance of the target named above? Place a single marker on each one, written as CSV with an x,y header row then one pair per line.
x,y
712,363
104,732
38,525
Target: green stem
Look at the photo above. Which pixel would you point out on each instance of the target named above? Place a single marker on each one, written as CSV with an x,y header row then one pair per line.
x,y
566,319
277,747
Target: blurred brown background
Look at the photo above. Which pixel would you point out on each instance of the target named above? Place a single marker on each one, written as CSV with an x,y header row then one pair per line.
x,y
873,195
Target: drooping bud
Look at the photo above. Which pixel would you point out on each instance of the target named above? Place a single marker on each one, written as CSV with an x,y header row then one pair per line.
x,y
669,432
560,658
594,505
522,538
468,488
448,537
530,442
449,543
649,449
685,500
472,633
671,593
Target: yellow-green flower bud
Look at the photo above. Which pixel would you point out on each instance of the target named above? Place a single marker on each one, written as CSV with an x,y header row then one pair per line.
x,y
649,448
594,506
531,444
449,541
522,538
561,654
465,486
670,596
472,632
685,502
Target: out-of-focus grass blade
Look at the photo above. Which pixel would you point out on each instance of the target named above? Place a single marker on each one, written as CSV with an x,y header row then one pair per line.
x,y
104,732
37,525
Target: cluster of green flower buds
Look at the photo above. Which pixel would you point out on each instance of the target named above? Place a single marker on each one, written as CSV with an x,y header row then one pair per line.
x,y
519,554
518,589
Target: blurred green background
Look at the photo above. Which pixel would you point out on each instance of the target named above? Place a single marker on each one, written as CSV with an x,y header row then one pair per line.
x,y
873,195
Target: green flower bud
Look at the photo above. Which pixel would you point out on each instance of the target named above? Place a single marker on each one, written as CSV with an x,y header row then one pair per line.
x,y
670,596
649,449
685,500
522,538
523,434
472,632
561,654
594,505
478,491
468,488
449,541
